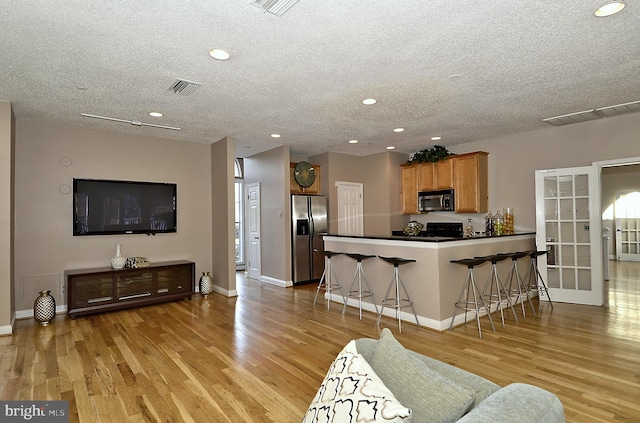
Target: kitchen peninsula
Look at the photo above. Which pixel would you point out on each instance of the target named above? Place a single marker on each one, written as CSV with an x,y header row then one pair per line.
x,y
433,282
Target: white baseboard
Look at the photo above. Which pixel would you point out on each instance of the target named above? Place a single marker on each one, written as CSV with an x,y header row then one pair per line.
x,y
277,282
225,292
28,314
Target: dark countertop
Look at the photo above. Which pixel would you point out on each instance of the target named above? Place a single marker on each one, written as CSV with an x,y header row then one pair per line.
x,y
432,239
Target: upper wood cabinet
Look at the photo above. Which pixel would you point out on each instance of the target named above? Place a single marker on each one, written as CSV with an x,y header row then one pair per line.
x,y
426,177
409,190
297,189
443,174
434,176
470,182
467,174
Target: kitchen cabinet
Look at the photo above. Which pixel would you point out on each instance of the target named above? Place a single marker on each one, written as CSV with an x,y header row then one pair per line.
x,y
409,191
297,189
443,174
104,289
470,182
435,176
426,177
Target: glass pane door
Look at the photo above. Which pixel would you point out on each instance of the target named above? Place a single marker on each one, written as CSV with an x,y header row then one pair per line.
x,y
567,210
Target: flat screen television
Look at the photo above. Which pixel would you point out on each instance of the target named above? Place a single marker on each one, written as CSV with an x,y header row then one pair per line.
x,y
105,207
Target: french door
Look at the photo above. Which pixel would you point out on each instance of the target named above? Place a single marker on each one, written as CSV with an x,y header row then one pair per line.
x,y
627,220
568,226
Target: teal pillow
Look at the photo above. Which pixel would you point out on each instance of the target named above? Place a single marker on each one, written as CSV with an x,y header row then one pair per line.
x,y
431,396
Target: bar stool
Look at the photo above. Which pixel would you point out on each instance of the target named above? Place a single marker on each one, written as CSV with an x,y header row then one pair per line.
x,y
533,276
397,301
360,276
521,290
501,292
327,280
470,288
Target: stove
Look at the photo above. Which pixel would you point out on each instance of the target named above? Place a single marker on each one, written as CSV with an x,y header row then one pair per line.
x,y
438,230
444,229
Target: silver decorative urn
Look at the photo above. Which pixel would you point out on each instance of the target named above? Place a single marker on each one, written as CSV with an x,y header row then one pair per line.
x,y
44,308
206,284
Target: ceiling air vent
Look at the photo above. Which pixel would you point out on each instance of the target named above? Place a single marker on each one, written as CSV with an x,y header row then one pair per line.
x,y
572,118
619,109
275,7
184,87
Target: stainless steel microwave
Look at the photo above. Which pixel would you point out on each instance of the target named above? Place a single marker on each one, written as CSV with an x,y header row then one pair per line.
x,y
443,200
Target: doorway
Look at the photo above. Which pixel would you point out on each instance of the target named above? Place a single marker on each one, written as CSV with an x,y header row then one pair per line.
x,y
350,209
617,179
254,263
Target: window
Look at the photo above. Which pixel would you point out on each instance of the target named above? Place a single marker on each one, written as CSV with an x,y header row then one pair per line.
x,y
239,215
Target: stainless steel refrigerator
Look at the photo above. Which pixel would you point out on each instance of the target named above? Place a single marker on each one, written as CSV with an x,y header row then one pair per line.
x,y
309,223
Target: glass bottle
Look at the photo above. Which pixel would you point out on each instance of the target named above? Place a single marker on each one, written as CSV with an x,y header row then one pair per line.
x,y
468,231
498,223
508,220
488,224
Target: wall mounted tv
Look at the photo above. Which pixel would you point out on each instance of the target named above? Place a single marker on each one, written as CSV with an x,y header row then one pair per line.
x,y
103,207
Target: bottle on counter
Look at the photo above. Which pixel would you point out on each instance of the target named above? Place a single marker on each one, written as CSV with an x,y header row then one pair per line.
x,y
488,224
468,230
508,220
498,223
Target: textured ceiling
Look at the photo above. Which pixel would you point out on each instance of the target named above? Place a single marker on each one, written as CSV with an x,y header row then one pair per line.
x,y
461,70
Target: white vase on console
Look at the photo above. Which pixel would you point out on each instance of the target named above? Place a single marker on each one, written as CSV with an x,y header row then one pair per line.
x,y
118,261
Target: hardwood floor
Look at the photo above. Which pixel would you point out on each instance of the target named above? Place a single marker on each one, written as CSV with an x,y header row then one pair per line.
x,y
260,357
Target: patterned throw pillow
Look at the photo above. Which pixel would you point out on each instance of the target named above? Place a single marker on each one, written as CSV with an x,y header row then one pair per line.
x,y
352,392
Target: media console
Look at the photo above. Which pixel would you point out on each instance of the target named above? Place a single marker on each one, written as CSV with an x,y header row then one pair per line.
x,y
103,289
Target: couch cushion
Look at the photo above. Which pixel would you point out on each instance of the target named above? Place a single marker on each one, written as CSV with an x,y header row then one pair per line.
x,y
352,392
431,396
481,387
520,403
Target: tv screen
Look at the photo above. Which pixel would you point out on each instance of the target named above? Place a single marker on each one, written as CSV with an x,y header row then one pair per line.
x,y
103,207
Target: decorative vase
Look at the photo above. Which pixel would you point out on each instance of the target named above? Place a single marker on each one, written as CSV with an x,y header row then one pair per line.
x,y
118,261
44,308
206,284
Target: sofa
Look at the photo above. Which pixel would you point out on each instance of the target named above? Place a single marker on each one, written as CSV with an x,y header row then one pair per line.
x,y
379,380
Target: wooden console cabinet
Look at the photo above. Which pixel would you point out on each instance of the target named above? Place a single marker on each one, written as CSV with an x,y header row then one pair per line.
x,y
104,289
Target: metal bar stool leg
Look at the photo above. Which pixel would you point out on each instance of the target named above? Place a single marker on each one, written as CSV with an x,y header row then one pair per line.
x,y
360,293
329,281
400,290
501,290
470,289
534,279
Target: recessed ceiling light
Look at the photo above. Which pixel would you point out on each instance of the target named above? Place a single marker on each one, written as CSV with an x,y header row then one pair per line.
x,y
369,101
275,135
219,54
155,114
436,138
609,9
391,147
398,130
353,141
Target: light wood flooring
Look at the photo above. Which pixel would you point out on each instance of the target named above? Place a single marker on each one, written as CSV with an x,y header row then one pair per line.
x,y
260,357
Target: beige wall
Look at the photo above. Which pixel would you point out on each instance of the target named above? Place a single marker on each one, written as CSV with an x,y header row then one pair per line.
x,y
380,176
271,170
7,304
514,159
44,246
223,260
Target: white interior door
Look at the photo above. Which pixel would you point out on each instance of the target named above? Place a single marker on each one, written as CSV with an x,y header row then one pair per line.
x,y
568,224
350,208
627,218
253,231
